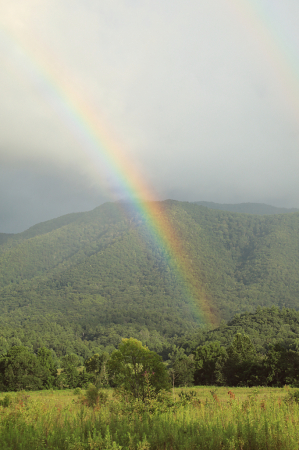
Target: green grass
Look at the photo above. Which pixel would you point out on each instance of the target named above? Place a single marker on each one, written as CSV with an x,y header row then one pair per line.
x,y
207,418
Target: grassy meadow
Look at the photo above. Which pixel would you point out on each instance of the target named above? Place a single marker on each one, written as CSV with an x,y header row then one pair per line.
x,y
191,418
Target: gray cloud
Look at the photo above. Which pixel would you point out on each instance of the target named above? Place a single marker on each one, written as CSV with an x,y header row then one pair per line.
x,y
29,195
203,99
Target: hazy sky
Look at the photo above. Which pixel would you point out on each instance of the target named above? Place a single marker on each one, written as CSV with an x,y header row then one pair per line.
x,y
201,96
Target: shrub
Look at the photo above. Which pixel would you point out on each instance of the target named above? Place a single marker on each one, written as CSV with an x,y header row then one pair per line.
x,y
6,401
292,397
94,396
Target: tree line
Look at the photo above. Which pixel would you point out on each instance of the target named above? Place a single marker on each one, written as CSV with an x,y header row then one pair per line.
x,y
135,367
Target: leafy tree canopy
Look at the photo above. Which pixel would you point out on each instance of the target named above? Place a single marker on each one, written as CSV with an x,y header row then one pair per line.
x,y
133,366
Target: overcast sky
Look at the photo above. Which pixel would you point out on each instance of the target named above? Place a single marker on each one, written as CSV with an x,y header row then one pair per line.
x,y
202,97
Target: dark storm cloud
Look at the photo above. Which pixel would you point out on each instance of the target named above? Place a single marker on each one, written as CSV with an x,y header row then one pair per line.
x,y
30,195
202,98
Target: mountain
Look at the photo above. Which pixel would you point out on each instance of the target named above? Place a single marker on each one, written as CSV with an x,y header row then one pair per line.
x,y
248,208
85,280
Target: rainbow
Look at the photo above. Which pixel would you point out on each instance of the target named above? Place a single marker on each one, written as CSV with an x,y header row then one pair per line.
x,y
99,145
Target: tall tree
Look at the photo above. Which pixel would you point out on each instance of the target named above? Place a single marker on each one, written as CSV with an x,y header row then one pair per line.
x,y
209,362
133,366
181,367
20,369
282,366
243,367
97,366
46,361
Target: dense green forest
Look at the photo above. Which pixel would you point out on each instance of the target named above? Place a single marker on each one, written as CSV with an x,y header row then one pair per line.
x,y
264,327
261,348
79,283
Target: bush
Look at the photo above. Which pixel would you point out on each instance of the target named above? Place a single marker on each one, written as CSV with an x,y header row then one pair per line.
x,y
292,397
94,396
187,397
6,401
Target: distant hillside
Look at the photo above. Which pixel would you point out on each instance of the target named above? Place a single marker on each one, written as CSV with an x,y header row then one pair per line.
x,y
248,208
99,275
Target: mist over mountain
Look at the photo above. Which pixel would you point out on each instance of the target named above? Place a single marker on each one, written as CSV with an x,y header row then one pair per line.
x,y
248,208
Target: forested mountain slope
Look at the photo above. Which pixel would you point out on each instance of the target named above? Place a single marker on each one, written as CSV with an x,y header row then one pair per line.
x,y
248,208
265,327
101,275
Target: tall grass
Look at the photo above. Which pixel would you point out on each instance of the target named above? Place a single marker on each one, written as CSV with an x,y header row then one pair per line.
x,y
204,419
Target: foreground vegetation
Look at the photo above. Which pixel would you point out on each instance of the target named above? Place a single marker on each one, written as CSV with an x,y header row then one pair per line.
x,y
142,411
205,418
